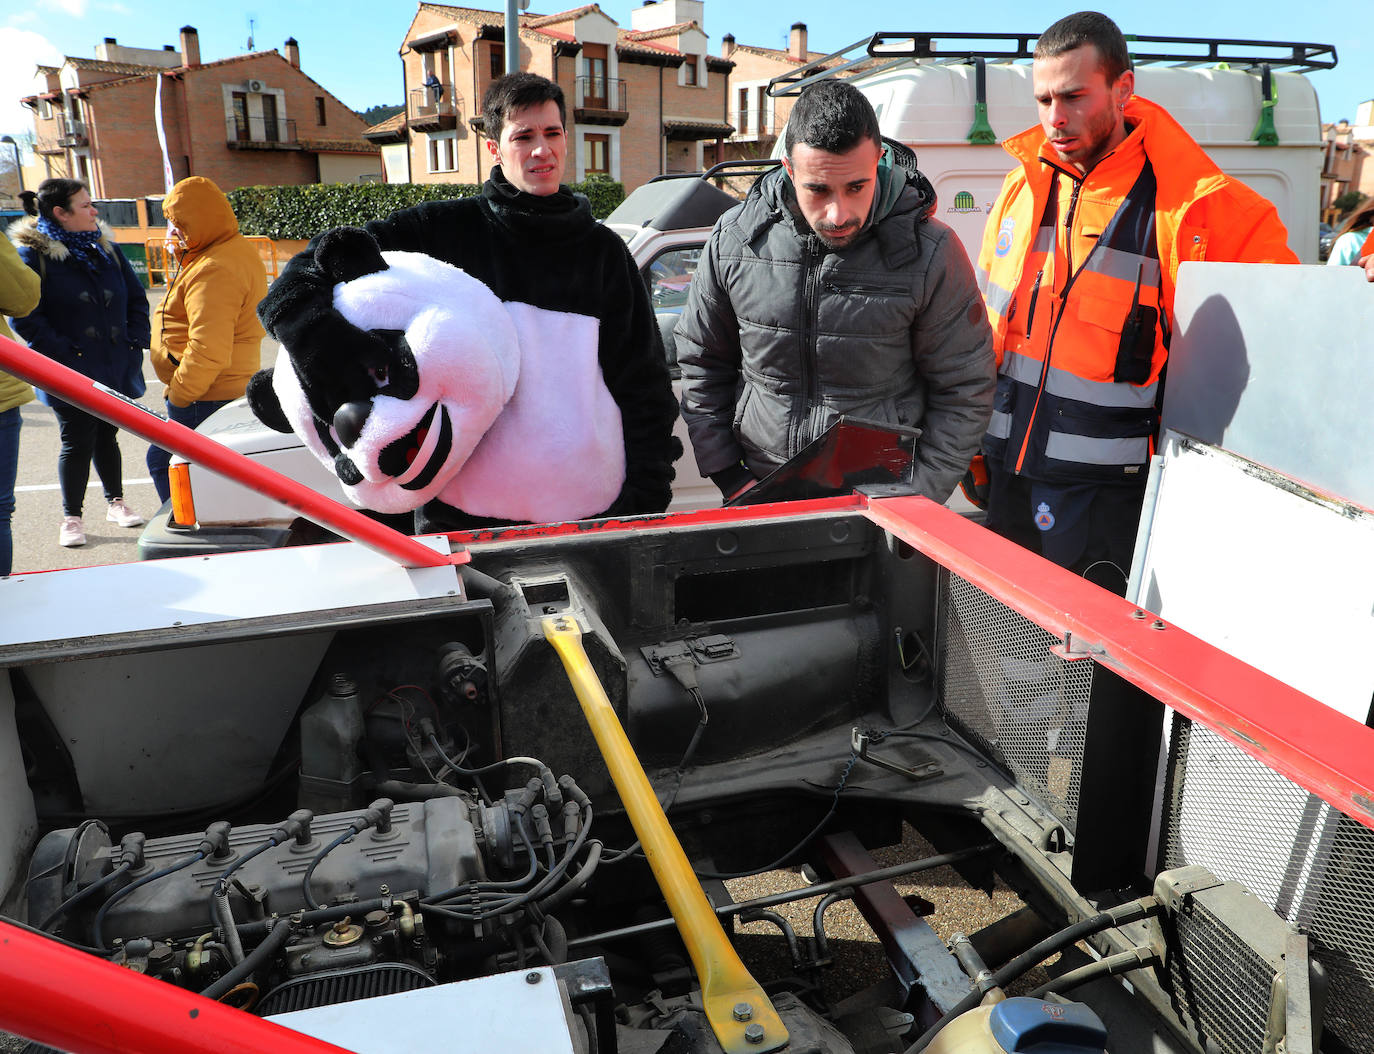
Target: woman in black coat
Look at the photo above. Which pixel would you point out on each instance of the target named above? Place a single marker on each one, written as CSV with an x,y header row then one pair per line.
x,y
93,318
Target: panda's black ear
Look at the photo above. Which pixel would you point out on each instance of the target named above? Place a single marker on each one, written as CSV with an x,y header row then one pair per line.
x,y
346,253
262,399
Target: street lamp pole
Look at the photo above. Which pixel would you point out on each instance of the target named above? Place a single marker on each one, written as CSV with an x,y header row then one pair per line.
x,y
18,164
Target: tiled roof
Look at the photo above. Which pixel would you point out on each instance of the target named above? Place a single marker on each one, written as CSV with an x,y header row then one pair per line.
x,y
478,17
646,47
695,128
779,53
340,146
101,66
654,34
395,123
47,70
563,16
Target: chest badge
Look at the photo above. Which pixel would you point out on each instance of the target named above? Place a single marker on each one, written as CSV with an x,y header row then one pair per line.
x,y
1044,519
1004,236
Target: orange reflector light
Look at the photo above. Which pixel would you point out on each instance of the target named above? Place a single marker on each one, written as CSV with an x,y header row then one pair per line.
x,y
183,506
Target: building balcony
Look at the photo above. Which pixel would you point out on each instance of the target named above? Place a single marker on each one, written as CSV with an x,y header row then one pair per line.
x,y
47,146
600,100
434,109
260,133
1341,169
752,126
71,132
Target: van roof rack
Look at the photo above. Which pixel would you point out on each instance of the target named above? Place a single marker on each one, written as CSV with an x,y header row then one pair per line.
x,y
884,51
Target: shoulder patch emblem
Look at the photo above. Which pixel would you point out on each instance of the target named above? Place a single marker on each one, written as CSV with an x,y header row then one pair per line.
x,y
1004,236
1044,519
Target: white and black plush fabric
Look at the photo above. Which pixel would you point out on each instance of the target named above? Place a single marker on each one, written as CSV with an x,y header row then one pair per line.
x,y
591,397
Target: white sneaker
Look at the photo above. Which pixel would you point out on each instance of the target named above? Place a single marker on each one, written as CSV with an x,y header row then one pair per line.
x,y
71,533
121,514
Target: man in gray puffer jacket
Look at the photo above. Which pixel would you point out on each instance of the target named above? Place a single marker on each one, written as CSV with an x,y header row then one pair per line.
x,y
832,291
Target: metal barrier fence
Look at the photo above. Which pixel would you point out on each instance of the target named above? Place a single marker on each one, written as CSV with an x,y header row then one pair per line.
x,y
160,267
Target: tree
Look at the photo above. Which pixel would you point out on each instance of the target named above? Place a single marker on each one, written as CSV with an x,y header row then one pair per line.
x,y
1348,201
377,114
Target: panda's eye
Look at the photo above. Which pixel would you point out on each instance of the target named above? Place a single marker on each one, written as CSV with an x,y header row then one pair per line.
x,y
378,375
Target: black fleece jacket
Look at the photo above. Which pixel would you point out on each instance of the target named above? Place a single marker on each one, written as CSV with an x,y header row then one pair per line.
x,y
544,251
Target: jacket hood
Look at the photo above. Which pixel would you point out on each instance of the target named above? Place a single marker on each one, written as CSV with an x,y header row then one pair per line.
x,y
201,212
897,172
26,235
1191,174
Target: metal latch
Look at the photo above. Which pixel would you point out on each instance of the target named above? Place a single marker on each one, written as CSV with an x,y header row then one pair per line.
x,y
858,742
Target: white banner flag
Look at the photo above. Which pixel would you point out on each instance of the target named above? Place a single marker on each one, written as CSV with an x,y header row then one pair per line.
x,y
162,138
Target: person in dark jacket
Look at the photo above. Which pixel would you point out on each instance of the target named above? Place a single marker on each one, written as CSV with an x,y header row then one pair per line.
x,y
532,241
93,318
832,291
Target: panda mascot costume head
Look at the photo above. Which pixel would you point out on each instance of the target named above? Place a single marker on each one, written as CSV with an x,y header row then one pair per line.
x,y
443,391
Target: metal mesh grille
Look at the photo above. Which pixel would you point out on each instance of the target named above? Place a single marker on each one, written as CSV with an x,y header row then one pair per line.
x,y
1222,985
1311,863
1002,687
343,986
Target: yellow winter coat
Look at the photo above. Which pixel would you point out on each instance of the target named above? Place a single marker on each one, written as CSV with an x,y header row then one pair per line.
x,y
206,335
19,293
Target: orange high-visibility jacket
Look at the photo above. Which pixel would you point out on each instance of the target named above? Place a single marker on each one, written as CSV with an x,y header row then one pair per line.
x,y
1082,320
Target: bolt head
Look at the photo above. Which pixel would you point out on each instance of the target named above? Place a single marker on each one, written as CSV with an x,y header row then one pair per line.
x,y
753,1033
743,1011
533,977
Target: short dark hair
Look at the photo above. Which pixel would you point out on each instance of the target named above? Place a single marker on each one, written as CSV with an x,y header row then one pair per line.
x,y
56,193
833,116
1087,27
516,91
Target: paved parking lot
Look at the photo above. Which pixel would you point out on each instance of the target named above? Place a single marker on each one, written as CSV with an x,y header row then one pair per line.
x,y
38,503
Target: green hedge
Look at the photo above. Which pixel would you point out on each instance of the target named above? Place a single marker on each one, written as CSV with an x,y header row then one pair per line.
x,y
304,211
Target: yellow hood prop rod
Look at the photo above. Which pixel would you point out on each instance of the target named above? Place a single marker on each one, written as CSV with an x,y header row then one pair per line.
x,y
739,1012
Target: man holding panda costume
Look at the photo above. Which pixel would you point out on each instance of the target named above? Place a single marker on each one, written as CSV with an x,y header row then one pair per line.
x,y
569,283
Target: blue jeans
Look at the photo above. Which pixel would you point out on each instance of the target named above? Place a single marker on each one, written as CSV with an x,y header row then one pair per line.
x,y
9,471
158,459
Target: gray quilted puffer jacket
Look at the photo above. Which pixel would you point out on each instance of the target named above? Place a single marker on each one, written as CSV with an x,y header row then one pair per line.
x,y
781,334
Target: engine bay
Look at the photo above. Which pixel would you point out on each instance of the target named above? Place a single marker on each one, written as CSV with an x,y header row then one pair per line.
x,y
312,813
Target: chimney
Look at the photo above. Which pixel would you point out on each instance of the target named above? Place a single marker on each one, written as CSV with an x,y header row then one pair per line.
x,y
111,40
727,45
293,52
796,42
190,46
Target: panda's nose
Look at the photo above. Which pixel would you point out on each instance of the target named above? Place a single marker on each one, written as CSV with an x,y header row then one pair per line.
x,y
349,420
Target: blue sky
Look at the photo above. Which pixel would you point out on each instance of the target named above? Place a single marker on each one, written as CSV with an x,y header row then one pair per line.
x,y
350,46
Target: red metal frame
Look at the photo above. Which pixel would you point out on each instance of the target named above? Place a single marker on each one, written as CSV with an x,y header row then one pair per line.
x,y
1316,747
43,372
67,999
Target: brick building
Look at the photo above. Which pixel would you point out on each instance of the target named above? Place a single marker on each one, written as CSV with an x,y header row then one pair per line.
x,y
1348,162
251,119
641,101
758,120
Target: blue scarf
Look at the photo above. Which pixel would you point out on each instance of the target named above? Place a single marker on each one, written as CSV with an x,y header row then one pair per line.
x,y
84,245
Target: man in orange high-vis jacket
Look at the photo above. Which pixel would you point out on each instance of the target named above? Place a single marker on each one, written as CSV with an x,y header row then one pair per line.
x,y
1110,195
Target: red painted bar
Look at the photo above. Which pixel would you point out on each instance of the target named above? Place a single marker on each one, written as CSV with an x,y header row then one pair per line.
x,y
1311,744
43,372
73,1001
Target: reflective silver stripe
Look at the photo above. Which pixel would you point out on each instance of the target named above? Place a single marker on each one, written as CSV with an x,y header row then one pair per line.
x,y
1066,385
982,277
1021,368
1090,450
1118,263
1100,393
997,298
999,427
1044,239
